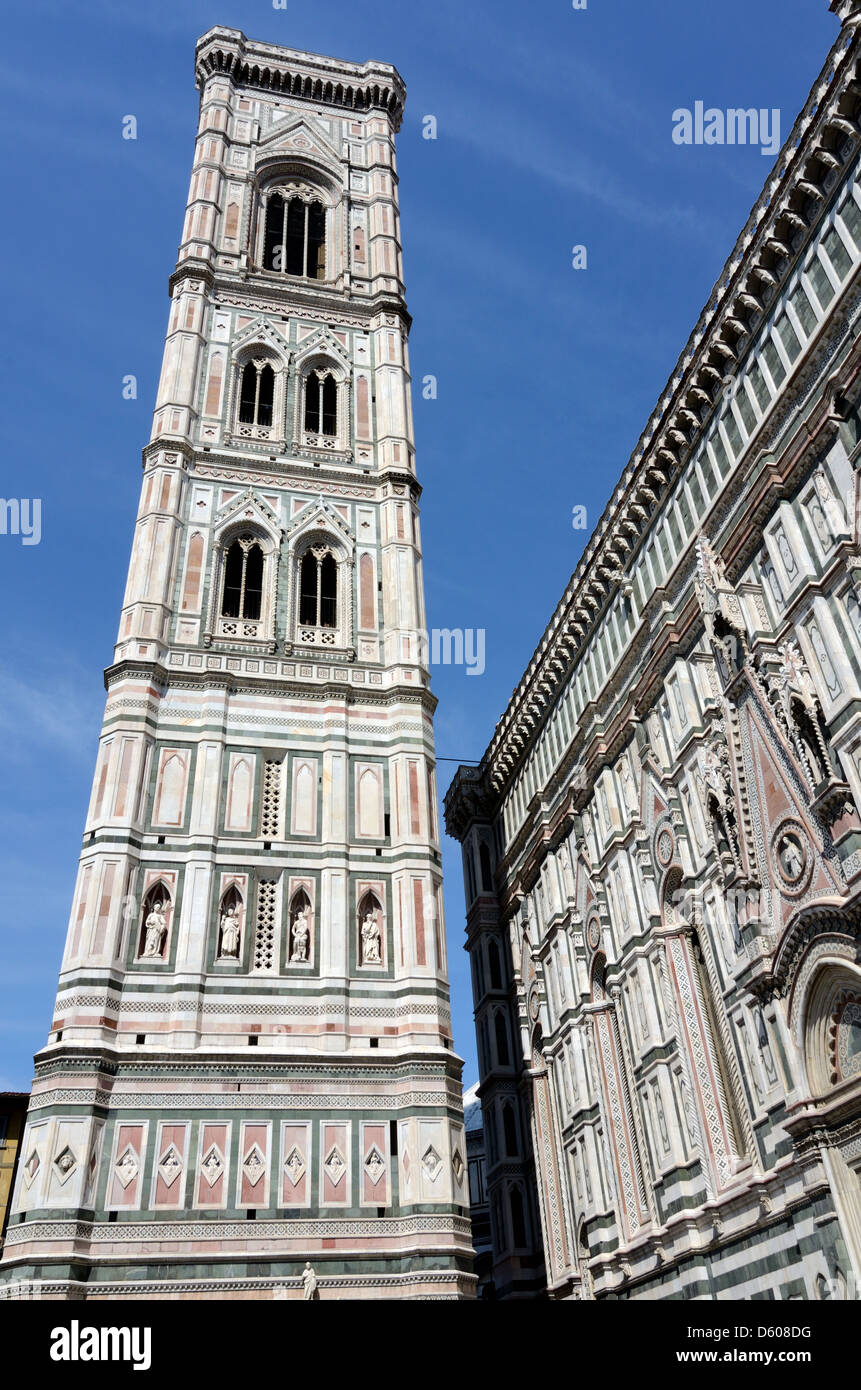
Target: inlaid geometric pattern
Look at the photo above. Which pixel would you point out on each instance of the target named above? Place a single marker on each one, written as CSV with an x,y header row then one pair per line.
x,y
265,934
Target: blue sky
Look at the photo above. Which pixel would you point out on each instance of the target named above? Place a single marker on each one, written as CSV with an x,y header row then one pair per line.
x,y
554,129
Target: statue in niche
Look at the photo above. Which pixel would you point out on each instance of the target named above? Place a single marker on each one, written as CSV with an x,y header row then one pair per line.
x,y
230,932
309,1282
300,934
371,939
797,706
719,794
155,930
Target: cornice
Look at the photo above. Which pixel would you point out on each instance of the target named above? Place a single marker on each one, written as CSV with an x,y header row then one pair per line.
x,y
233,684
288,72
192,268
822,141
298,475
277,295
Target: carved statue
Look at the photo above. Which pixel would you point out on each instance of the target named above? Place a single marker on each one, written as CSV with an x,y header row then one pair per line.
x,y
155,930
300,933
309,1281
798,708
791,857
230,932
719,795
371,939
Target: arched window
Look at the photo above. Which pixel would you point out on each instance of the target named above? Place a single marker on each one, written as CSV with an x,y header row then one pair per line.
x,y
256,394
242,595
294,240
155,920
318,588
501,1032
321,403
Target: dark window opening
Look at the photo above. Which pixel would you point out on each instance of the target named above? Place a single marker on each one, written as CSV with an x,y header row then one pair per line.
x,y
509,1130
318,589
253,1041
518,1220
321,404
140,1039
493,962
330,405
486,871
501,1040
243,580
294,238
256,394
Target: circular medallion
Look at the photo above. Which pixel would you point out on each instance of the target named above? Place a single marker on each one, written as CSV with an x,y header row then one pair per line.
x,y
534,1005
792,857
593,933
665,847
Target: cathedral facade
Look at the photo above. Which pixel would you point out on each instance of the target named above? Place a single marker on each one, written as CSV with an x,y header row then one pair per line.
x,y
249,1088
662,843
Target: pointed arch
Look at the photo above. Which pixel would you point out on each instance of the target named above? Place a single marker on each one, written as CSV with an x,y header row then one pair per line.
x,y
301,941
230,923
154,930
244,574
371,934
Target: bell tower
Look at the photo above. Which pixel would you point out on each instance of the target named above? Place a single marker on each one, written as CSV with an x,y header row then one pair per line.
x,y
250,1065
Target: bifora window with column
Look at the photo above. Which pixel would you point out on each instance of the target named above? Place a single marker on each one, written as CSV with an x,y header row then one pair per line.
x,y
294,231
321,583
322,406
242,597
257,411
